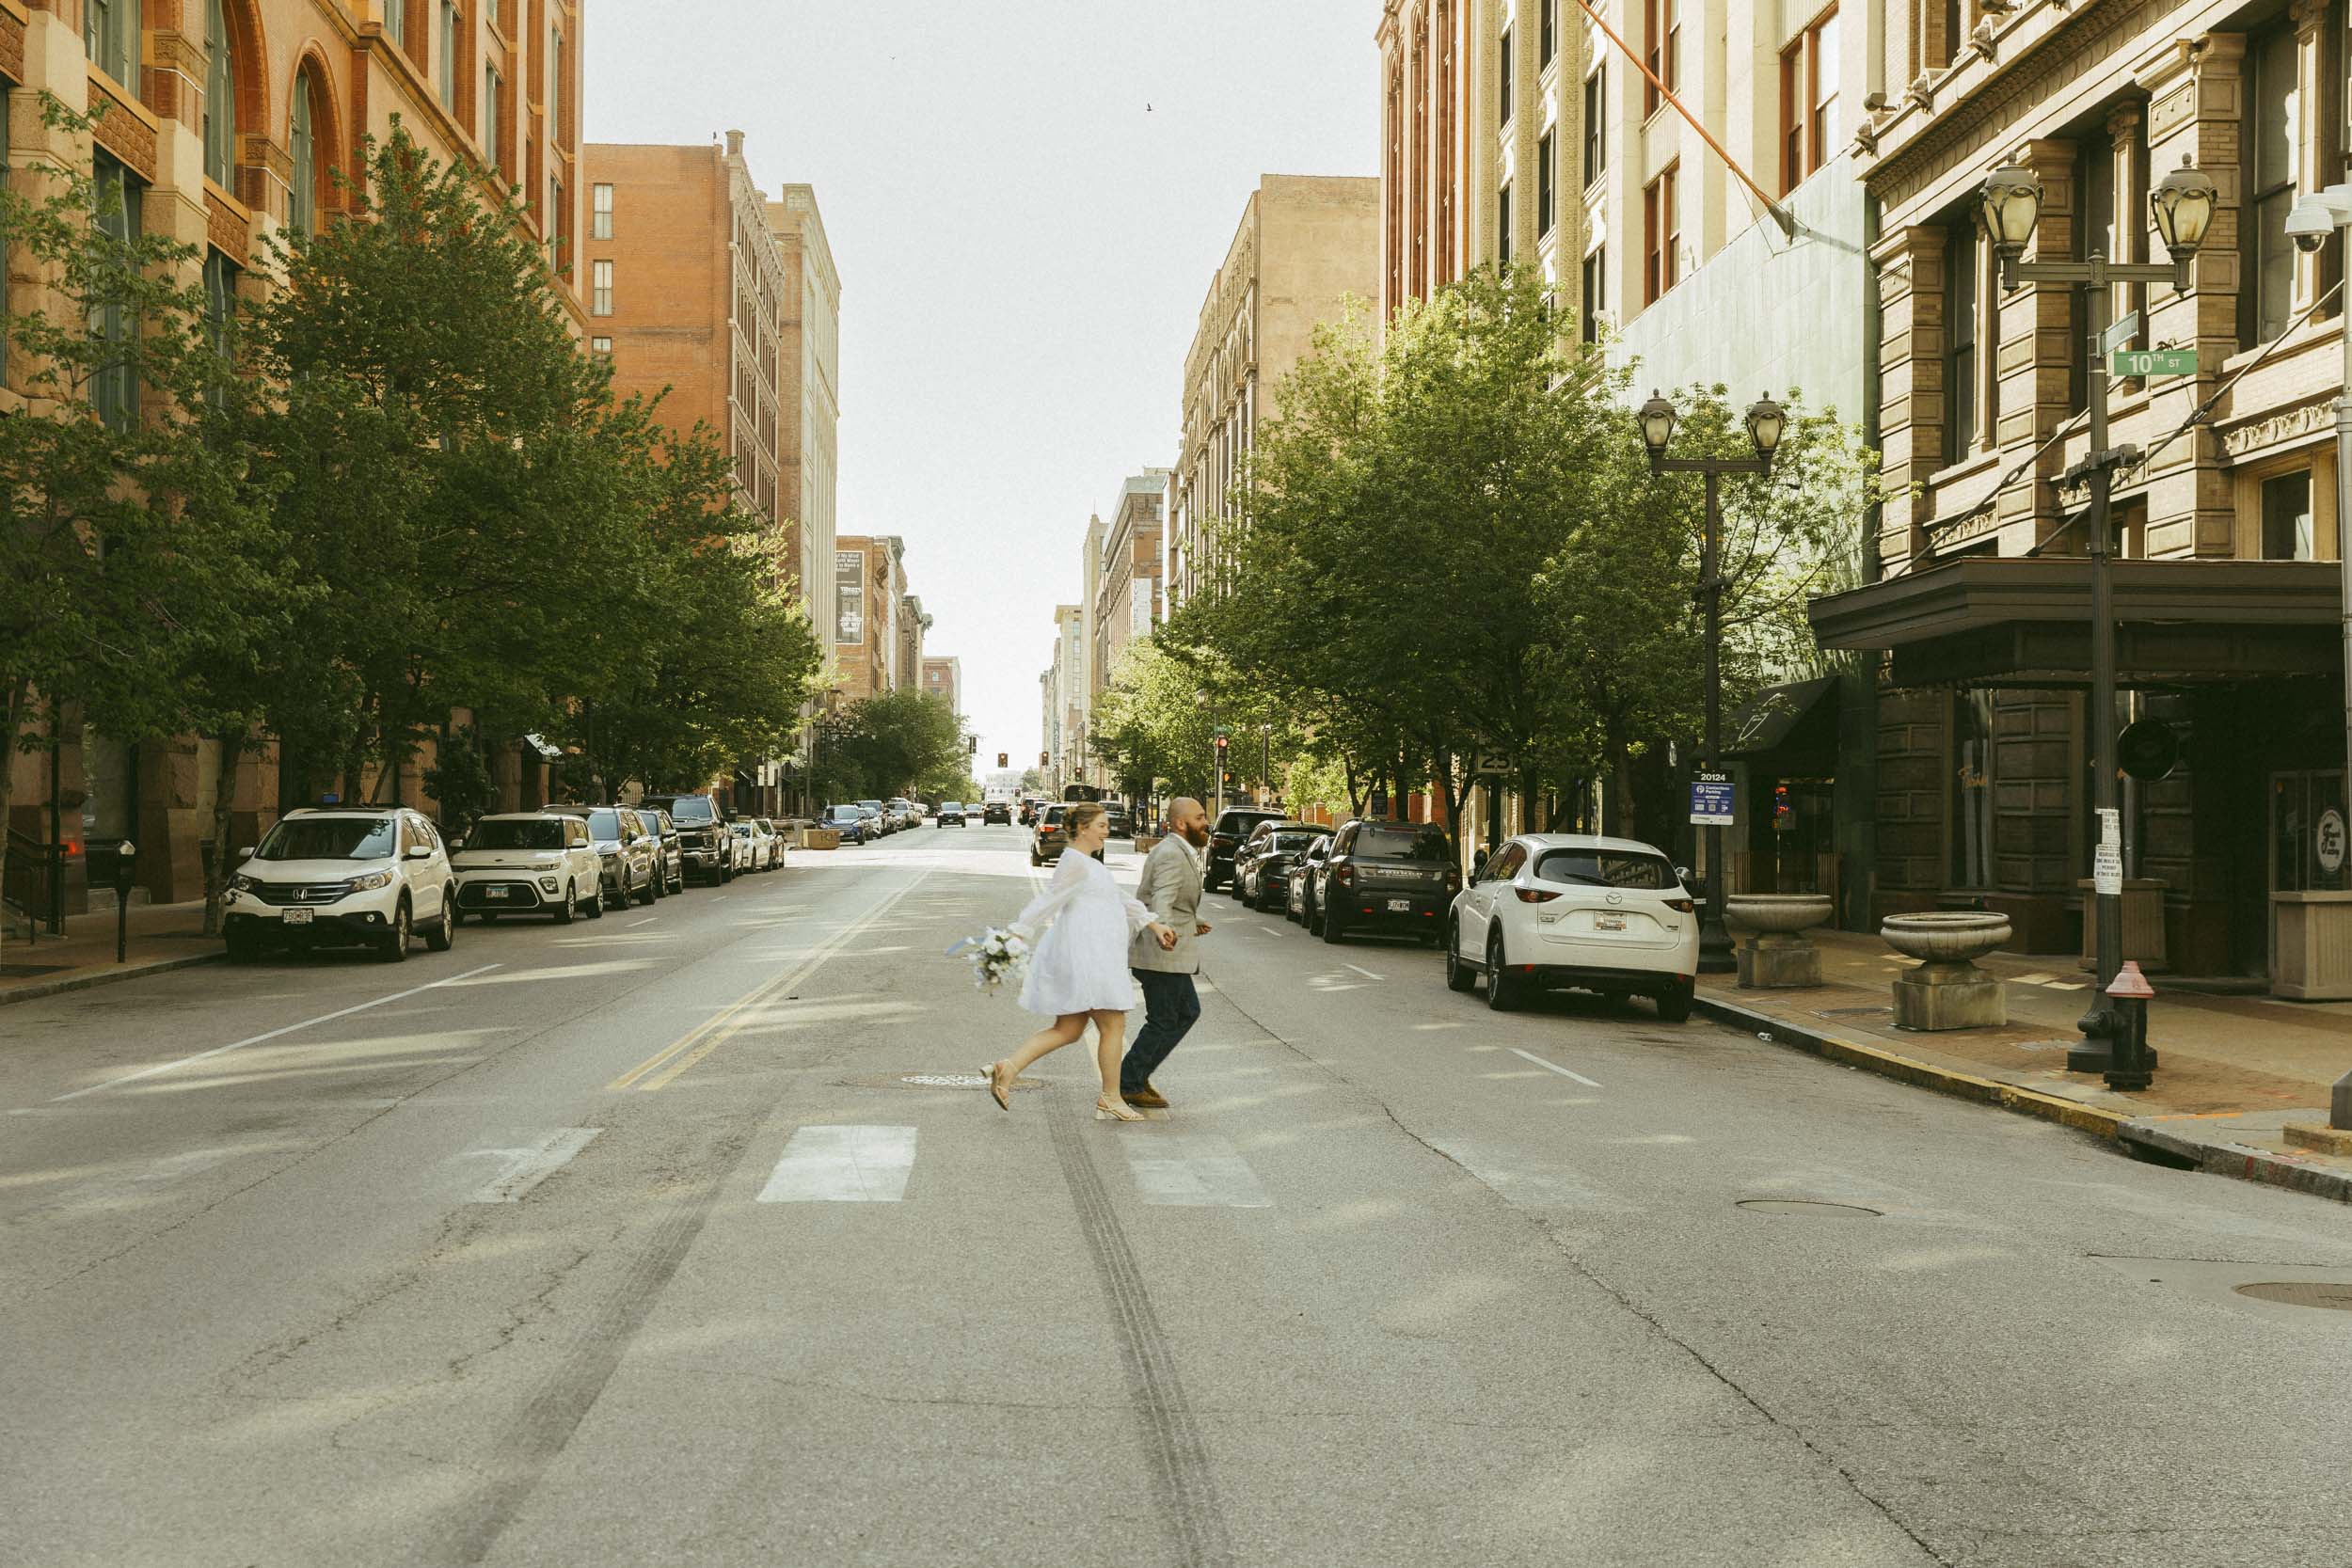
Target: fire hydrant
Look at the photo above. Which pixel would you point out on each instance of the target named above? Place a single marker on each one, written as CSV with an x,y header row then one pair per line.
x,y
2131,1063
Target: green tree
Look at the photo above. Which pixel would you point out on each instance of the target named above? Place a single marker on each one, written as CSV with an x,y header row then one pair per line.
x,y
886,745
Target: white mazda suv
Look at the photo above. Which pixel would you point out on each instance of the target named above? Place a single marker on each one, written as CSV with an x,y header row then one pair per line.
x,y
1548,911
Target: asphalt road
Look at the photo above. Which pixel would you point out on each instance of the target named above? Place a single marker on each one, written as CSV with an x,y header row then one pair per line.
x,y
633,1243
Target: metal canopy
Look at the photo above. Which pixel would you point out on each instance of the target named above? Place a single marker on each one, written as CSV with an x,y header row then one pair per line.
x,y
2026,622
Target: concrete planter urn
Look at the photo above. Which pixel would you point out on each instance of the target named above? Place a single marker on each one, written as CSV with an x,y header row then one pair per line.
x,y
1948,990
1776,954
819,838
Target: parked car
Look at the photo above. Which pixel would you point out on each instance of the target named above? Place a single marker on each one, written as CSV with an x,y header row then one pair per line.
x,y
849,821
669,850
1030,806
703,840
950,811
757,844
779,839
1299,896
1262,868
343,877
1049,838
1394,876
1120,826
995,812
905,812
883,826
624,851
1608,915
528,862
1232,826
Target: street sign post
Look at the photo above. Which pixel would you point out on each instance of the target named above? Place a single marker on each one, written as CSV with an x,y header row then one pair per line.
x,y
1711,799
2152,361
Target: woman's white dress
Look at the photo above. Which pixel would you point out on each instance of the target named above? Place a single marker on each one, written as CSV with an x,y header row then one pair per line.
x,y
1079,964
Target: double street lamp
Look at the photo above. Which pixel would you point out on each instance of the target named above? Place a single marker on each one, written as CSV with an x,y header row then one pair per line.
x,y
1766,422
2182,207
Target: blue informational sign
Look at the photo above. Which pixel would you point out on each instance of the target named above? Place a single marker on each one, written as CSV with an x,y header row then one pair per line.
x,y
1711,799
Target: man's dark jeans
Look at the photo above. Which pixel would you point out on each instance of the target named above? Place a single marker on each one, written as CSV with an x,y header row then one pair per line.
x,y
1171,1007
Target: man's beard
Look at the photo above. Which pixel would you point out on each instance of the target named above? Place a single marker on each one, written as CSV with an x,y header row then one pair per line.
x,y
1195,834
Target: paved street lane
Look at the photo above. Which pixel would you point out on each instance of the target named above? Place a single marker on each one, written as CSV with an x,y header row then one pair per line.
x,y
685,1236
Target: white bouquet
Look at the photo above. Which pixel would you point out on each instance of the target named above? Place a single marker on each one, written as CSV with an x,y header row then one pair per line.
x,y
997,954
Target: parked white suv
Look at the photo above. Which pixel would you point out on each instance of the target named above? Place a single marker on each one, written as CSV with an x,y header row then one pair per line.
x,y
1608,915
343,876
529,863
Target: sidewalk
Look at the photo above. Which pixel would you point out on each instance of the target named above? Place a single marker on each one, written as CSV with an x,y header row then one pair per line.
x,y
162,937
2233,1069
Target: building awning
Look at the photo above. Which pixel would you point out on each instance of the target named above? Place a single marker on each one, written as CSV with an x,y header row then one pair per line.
x,y
2027,621
1765,722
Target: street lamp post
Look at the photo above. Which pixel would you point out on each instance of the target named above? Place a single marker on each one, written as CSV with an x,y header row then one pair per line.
x,y
1766,422
2182,206
1266,762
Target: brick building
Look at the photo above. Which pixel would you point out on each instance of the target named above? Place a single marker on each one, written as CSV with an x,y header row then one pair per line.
x,y
225,120
868,603
1127,589
809,391
942,678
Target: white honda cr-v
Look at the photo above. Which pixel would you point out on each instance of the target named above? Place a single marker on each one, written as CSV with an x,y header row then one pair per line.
x,y
343,876
1563,910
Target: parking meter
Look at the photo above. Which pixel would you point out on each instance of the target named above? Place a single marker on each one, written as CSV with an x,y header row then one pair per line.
x,y
126,855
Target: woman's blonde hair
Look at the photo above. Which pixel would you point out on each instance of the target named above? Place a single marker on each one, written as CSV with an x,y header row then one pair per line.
x,y
1079,816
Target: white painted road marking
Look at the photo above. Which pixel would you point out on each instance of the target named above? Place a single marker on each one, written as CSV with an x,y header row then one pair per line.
x,y
527,1167
1365,972
256,1039
647,921
1192,1170
1555,1067
843,1165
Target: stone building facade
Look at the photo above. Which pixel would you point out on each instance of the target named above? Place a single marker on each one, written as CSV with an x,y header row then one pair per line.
x,y
1127,592
225,122
2225,523
1306,244
808,449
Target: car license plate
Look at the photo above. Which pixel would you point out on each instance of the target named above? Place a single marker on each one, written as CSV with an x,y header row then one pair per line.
x,y
1608,922
300,918
1400,905
498,892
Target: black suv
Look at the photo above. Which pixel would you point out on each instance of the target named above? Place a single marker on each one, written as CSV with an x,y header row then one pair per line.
x,y
702,833
995,812
1234,824
1394,876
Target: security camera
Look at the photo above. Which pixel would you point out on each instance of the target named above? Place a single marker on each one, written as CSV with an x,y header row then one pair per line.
x,y
2310,224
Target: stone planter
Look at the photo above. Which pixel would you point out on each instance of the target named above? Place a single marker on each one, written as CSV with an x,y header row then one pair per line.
x,y
1777,955
1146,843
819,838
1948,990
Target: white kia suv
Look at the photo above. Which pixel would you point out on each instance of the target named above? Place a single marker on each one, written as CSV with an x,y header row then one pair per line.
x,y
529,863
1545,910
343,876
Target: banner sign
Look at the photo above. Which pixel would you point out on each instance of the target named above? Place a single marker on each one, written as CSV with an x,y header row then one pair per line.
x,y
848,596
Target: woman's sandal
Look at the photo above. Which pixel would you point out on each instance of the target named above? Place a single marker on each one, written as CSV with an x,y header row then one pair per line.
x,y
997,1086
1111,1108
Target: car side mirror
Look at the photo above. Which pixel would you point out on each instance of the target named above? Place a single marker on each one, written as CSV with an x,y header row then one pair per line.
x,y
1478,867
1682,874
246,853
420,851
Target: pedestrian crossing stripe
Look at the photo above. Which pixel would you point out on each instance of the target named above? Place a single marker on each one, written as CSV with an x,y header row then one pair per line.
x,y
843,1165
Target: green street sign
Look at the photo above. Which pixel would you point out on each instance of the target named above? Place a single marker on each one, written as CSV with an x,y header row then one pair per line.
x,y
2155,361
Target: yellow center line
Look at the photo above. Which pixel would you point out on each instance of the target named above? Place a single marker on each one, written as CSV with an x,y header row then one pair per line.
x,y
707,1036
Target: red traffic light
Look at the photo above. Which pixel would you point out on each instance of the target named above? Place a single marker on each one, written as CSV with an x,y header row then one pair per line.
x,y
1220,743
1000,759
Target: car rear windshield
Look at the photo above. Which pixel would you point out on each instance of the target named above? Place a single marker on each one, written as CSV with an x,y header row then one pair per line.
x,y
689,808
1287,842
1404,842
1625,868
1242,821
345,838
516,835
1054,815
604,824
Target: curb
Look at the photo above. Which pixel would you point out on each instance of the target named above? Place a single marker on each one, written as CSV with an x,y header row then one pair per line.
x,y
1926,1075
40,989
2242,1161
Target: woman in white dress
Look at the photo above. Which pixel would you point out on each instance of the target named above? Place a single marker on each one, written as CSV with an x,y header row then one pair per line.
x,y
1078,968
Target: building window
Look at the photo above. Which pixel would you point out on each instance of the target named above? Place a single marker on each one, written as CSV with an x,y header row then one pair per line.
x,y
1959,347
1502,224
1596,294
600,301
2287,518
396,22
1546,182
492,85
600,345
302,146
1972,789
110,36
1548,31
1955,27
115,388
1502,98
221,98
600,212
1662,235
1662,49
557,229
1808,100
555,88
220,303
451,21
1595,125
2268,301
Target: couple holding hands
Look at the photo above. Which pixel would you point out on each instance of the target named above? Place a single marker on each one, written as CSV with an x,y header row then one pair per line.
x,y
1095,937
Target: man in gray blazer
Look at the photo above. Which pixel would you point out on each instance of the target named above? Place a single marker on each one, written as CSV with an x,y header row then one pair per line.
x,y
1170,889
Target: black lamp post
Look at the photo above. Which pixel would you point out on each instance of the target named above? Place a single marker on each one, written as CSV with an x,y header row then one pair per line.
x,y
1766,422
2182,207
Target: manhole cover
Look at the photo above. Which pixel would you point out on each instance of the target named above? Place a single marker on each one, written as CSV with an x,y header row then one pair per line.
x,y
933,1081
1808,1207
2301,1293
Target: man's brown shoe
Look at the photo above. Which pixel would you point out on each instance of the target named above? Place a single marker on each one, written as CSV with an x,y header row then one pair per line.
x,y
1147,1096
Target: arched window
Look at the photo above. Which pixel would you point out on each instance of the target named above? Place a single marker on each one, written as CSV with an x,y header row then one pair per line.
x,y
221,98
302,206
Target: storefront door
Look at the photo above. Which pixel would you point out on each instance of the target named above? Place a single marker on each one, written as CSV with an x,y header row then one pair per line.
x,y
2308,855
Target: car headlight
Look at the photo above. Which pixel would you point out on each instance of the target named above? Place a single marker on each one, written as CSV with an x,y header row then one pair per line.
x,y
243,883
610,857
547,885
369,881
544,862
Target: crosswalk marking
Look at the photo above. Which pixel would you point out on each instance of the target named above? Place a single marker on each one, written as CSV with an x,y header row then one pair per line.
x,y
1192,1170
1555,1067
843,1165
526,1167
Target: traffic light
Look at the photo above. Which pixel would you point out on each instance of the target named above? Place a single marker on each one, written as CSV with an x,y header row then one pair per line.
x,y
1220,743
1000,759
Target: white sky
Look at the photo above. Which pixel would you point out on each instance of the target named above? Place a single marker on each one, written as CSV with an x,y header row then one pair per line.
x,y
1026,199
